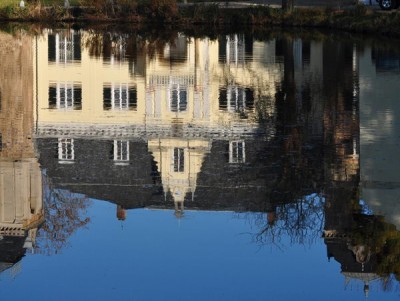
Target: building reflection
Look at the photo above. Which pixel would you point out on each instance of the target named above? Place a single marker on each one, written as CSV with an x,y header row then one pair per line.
x,y
225,124
21,208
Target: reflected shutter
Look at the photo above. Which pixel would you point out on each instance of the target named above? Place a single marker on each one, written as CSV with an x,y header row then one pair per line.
x,y
52,97
107,98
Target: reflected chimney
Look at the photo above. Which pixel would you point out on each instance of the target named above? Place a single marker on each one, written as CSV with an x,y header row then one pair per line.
x,y
121,213
271,218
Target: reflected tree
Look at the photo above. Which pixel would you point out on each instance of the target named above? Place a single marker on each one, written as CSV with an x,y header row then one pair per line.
x,y
104,43
380,238
301,221
65,213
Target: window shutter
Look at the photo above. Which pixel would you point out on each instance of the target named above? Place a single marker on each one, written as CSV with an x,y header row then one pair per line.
x,y
52,97
223,99
249,98
183,100
77,47
106,98
51,47
222,49
77,98
132,99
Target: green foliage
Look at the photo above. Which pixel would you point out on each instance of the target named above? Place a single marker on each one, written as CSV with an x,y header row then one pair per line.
x,y
34,10
382,239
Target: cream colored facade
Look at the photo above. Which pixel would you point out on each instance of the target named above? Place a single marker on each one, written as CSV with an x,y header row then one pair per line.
x,y
177,108
200,75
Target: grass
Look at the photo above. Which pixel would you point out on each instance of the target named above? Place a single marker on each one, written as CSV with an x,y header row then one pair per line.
x,y
5,3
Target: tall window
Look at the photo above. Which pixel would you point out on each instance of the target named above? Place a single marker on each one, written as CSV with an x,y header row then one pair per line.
x,y
121,151
177,98
120,97
233,48
236,99
114,48
237,152
65,96
179,159
64,47
177,50
66,152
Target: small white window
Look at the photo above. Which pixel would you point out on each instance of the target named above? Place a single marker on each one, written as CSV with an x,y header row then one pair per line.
x,y
66,152
121,152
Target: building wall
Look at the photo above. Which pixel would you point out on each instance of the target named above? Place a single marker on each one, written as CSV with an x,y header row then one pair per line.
x,y
20,176
379,125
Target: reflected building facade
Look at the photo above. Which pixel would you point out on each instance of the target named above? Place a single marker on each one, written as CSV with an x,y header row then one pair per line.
x,y
225,124
21,211
158,124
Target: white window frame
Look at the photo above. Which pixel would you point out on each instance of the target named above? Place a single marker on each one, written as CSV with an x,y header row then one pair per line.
x,y
236,98
178,156
235,49
64,47
65,96
121,152
120,97
118,54
66,150
235,156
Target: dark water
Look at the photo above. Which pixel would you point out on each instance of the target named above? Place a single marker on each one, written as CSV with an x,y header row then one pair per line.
x,y
164,166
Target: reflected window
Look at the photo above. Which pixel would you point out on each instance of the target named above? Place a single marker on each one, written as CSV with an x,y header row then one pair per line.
x,y
66,152
114,48
65,96
121,151
179,159
237,152
64,47
178,98
176,51
236,99
234,48
120,97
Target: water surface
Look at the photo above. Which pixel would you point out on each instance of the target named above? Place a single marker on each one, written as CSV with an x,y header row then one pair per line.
x,y
239,166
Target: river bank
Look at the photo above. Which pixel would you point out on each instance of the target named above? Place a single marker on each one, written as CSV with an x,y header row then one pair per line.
x,y
355,18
